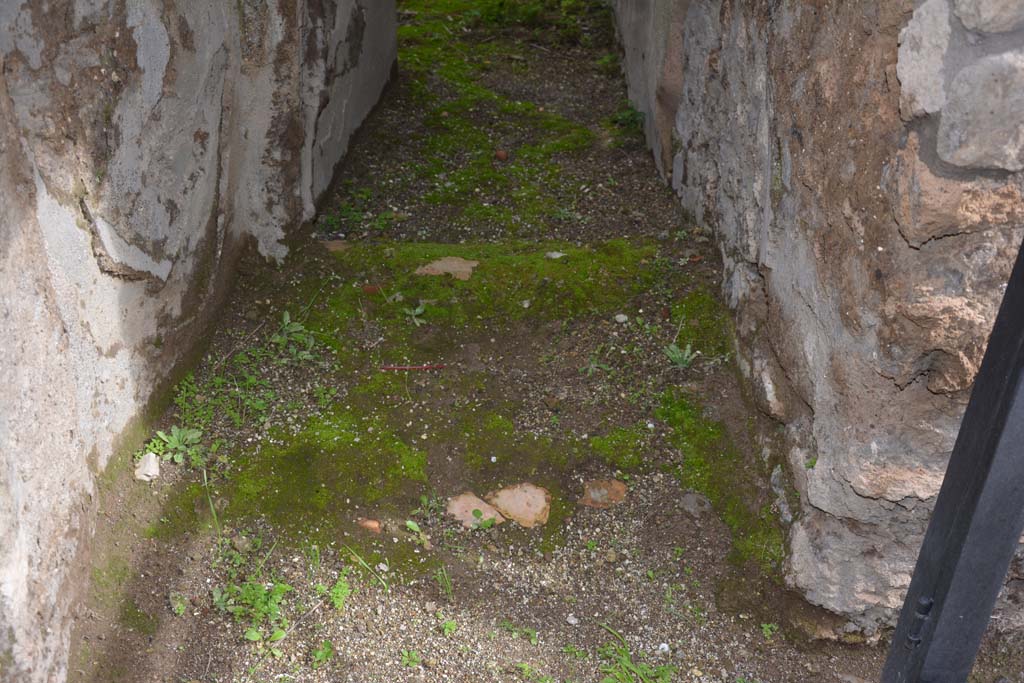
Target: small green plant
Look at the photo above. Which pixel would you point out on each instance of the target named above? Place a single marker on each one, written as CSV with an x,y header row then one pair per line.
x,y
529,673
517,631
591,545
414,314
377,576
421,538
181,443
179,604
670,594
325,396
681,358
323,654
697,612
629,119
609,64
193,409
209,501
294,339
351,215
593,365
620,667
480,522
411,658
574,652
313,558
444,582
769,630
341,590
256,603
430,506
448,627
526,671
382,221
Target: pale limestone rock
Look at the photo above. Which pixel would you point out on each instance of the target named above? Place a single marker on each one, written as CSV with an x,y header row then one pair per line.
x,y
922,51
148,467
990,16
982,125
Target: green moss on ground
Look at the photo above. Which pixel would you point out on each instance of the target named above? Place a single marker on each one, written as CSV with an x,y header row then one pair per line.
x,y
467,121
704,324
179,514
622,447
109,579
712,465
308,483
132,617
512,281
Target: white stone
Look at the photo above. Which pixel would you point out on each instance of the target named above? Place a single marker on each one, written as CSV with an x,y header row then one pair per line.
x,y
622,318
923,44
982,125
990,16
148,467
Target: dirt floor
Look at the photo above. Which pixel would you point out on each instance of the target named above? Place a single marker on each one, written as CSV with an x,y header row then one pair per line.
x,y
303,536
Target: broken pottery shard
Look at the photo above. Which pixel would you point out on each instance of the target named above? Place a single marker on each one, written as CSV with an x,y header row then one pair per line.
x,y
603,493
526,504
336,245
461,507
371,525
458,268
148,467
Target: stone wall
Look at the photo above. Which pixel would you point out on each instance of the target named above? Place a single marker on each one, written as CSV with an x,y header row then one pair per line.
x,y
861,164
142,145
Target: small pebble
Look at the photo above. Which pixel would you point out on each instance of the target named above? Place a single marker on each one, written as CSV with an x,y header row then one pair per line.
x,y
622,318
572,620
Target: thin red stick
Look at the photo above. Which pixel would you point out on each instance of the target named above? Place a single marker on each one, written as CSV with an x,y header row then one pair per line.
x,y
413,367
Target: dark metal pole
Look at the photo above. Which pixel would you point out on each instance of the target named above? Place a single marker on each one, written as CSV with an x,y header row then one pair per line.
x,y
978,517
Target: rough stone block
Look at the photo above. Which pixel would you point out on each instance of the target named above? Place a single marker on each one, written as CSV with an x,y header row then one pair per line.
x,y
923,45
990,16
928,206
982,125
